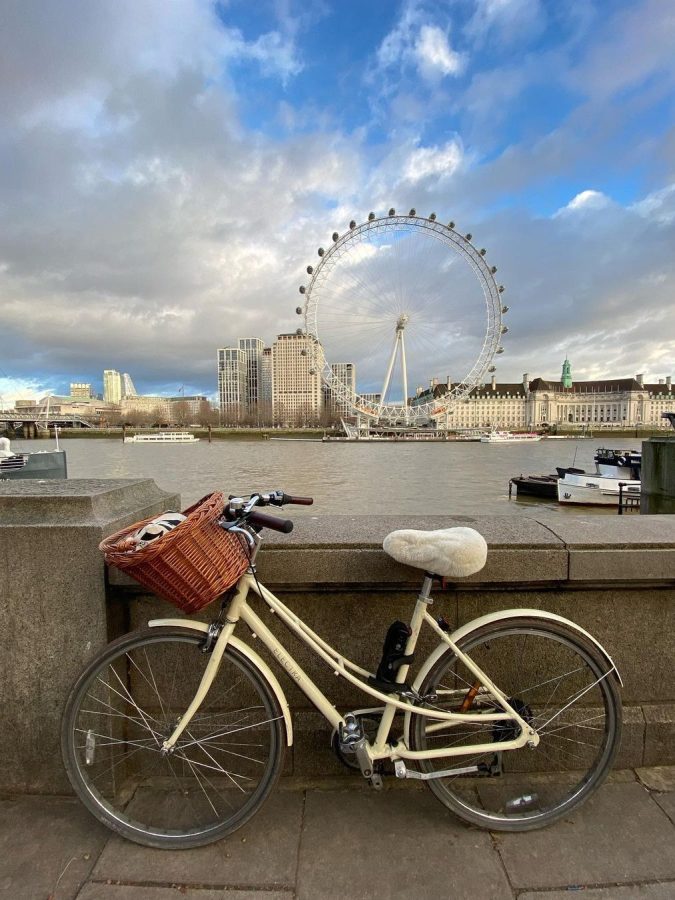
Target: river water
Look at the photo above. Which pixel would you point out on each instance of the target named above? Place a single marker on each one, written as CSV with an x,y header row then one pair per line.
x,y
367,478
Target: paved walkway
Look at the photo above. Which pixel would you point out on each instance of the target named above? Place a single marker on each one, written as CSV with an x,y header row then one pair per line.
x,y
339,839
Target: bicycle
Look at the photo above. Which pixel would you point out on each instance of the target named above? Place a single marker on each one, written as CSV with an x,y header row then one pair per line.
x,y
174,736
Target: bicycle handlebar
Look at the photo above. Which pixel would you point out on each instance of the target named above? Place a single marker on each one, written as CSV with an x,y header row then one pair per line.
x,y
243,510
264,521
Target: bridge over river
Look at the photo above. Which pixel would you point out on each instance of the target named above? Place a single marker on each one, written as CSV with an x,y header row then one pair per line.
x,y
25,426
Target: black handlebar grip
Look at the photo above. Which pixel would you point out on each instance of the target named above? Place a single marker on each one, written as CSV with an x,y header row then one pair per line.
x,y
265,521
298,501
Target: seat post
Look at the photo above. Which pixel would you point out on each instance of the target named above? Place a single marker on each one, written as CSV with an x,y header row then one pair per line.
x,y
425,592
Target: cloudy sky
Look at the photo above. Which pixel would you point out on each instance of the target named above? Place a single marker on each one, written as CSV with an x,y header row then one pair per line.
x,y
168,170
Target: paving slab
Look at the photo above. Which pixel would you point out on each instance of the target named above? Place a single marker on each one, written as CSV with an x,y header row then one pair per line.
x,y
657,778
667,804
619,835
142,892
391,845
662,891
45,840
262,854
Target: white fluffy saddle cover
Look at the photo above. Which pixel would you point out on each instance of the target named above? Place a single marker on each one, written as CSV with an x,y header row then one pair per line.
x,y
450,552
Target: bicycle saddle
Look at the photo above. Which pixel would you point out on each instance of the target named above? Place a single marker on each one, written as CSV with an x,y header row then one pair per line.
x,y
449,552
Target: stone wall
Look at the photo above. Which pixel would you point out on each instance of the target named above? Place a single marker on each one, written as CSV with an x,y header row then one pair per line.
x,y
613,575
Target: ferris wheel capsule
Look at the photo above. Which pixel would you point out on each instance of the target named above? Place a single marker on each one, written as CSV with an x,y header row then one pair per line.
x,y
432,217
505,309
392,211
371,216
336,237
451,225
302,289
310,269
321,251
298,310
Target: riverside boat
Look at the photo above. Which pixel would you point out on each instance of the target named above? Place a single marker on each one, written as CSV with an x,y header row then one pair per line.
x,y
617,477
508,437
31,464
162,437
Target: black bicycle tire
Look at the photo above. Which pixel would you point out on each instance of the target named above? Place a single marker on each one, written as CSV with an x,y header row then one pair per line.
x,y
108,653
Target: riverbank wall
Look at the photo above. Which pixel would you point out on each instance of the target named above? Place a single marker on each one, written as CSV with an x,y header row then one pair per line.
x,y
615,576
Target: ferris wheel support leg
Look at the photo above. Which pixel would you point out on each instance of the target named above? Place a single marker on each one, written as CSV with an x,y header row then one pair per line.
x,y
390,369
405,380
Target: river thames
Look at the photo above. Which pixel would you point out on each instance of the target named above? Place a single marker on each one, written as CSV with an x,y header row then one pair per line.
x,y
367,478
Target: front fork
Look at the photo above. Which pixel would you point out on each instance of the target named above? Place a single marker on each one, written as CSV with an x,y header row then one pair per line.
x,y
212,666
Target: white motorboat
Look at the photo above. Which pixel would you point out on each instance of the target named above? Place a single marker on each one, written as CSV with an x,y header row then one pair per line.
x,y
162,437
508,437
617,476
32,463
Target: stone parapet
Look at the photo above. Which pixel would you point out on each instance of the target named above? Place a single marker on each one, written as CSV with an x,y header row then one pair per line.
x,y
53,607
615,576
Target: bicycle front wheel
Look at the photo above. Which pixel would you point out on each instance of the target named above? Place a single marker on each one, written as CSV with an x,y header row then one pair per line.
x,y
561,684
129,700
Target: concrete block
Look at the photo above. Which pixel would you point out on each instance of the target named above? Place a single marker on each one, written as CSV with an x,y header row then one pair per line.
x,y
659,735
54,614
631,751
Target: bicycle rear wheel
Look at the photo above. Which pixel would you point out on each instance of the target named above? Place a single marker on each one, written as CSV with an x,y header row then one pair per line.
x,y
560,683
129,700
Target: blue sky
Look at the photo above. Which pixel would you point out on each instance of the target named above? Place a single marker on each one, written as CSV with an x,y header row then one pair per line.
x,y
168,170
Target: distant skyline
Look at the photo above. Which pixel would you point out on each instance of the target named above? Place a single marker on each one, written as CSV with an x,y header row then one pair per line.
x,y
169,169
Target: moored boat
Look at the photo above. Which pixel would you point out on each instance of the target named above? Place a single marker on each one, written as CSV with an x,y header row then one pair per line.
x,y
162,437
32,463
617,477
509,437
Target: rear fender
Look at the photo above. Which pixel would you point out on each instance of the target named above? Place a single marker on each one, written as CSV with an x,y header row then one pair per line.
x,y
252,657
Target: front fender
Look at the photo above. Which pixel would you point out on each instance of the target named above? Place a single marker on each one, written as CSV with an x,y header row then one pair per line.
x,y
475,624
252,657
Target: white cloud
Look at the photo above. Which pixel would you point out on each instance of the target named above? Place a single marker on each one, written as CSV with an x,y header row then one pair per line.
x,y
585,200
434,55
659,206
441,162
417,42
512,20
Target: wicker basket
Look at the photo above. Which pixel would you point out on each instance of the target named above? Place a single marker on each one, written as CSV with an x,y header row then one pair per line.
x,y
190,565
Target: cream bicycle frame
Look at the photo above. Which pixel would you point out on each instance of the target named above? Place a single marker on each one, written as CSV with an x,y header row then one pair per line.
x,y
239,610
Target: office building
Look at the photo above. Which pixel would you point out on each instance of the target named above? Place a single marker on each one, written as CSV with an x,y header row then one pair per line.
x,y
340,402
80,390
604,403
297,361
232,384
112,386
253,350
